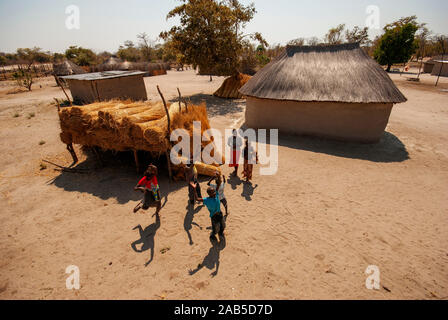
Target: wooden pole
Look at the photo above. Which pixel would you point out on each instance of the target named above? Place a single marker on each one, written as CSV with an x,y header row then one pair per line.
x,y
185,101
180,99
61,86
441,67
57,104
98,156
166,110
137,163
72,152
420,68
167,134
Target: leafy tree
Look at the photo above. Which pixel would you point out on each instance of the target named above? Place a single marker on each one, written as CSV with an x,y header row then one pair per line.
x,y
28,56
3,60
397,43
334,35
158,52
210,34
58,57
81,56
129,52
24,77
103,56
358,35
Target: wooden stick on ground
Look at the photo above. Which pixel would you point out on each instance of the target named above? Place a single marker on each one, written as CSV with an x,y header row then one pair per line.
x,y
167,134
65,169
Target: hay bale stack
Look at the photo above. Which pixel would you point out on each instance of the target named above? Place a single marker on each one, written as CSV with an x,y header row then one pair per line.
x,y
231,86
126,125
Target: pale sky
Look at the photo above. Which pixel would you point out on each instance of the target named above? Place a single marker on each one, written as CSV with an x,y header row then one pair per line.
x,y
105,24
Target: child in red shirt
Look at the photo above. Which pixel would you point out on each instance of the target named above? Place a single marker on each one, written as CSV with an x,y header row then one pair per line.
x,y
150,187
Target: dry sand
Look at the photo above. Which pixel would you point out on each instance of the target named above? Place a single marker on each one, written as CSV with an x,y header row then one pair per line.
x,y
309,232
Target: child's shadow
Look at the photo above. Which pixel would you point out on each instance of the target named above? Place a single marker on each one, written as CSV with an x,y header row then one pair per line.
x,y
147,238
212,258
248,190
188,221
234,181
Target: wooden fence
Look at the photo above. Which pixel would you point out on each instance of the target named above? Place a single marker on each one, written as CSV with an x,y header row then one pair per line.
x,y
40,70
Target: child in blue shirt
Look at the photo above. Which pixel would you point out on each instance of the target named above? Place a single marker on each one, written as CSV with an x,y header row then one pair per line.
x,y
213,205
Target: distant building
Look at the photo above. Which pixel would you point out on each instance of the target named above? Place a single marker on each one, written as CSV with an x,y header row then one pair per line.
x,y
103,86
334,91
440,66
428,65
66,68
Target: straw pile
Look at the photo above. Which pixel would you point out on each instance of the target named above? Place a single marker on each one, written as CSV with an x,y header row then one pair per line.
x,y
127,125
231,86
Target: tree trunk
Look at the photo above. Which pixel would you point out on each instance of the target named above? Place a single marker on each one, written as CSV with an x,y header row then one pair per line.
x,y
211,79
388,67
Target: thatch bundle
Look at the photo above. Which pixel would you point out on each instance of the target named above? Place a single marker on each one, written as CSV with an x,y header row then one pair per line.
x,y
231,86
202,168
127,125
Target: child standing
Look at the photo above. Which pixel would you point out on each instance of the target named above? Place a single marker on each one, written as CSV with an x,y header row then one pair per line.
x,y
219,185
250,158
235,143
150,187
213,205
191,175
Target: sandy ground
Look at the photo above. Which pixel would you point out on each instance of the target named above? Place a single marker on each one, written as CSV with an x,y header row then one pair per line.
x,y
309,232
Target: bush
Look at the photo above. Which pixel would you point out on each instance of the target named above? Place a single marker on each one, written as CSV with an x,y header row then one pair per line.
x,y
24,78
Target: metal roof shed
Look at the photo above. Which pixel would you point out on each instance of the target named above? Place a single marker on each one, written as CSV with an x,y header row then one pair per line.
x,y
108,85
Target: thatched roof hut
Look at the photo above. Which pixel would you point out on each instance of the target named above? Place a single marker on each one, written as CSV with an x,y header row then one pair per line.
x,y
66,68
335,91
113,61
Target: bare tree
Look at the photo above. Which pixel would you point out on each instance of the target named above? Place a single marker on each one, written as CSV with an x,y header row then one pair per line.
x,y
421,38
358,35
441,40
297,42
146,45
334,35
313,41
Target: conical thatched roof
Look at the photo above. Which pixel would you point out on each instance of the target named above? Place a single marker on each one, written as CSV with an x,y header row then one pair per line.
x,y
127,66
332,73
66,68
229,88
113,61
